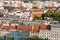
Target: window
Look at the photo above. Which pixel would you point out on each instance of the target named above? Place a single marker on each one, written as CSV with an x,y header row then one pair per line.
x,y
5,3
18,12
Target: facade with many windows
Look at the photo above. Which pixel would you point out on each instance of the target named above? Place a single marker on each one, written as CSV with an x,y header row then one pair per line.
x,y
53,34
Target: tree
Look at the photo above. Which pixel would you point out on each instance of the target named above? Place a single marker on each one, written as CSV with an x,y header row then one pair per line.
x,y
26,1
22,23
36,38
49,13
8,38
37,18
31,0
57,15
46,39
43,16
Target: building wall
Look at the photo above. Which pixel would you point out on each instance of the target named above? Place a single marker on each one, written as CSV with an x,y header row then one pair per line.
x,y
33,34
37,12
53,34
15,35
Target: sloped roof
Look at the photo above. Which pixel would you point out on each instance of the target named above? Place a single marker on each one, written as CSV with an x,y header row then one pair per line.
x,y
25,10
24,28
35,28
12,27
4,27
37,12
43,26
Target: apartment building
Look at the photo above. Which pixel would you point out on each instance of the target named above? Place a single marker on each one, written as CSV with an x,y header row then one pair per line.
x,y
27,15
53,34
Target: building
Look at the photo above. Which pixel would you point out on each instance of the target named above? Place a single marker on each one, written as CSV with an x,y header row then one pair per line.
x,y
27,15
34,5
52,31
27,5
53,34
37,12
21,32
1,5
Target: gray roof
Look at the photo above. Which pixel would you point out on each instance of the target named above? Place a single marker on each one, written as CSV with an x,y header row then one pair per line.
x,y
55,25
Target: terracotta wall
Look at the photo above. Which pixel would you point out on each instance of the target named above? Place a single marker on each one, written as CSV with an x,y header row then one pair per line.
x,y
37,12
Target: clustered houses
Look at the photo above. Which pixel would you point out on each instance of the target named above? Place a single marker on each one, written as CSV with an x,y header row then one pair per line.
x,y
30,8
26,12
38,4
20,30
53,34
50,31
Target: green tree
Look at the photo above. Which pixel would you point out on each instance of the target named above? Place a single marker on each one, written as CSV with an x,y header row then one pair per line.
x,y
49,13
22,23
46,39
8,38
31,0
36,38
26,1
57,15
37,18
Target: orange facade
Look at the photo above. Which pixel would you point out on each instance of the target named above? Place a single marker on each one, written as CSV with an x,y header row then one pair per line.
x,y
37,12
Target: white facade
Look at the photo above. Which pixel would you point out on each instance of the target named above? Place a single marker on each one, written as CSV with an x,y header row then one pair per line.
x,y
33,34
26,16
40,4
27,5
1,5
2,33
53,34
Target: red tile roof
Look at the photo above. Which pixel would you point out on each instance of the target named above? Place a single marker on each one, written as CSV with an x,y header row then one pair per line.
x,y
24,28
4,27
35,28
43,26
37,12
12,27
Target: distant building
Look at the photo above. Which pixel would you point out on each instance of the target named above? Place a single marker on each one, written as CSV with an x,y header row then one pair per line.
x,y
53,34
1,4
37,12
27,5
27,15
